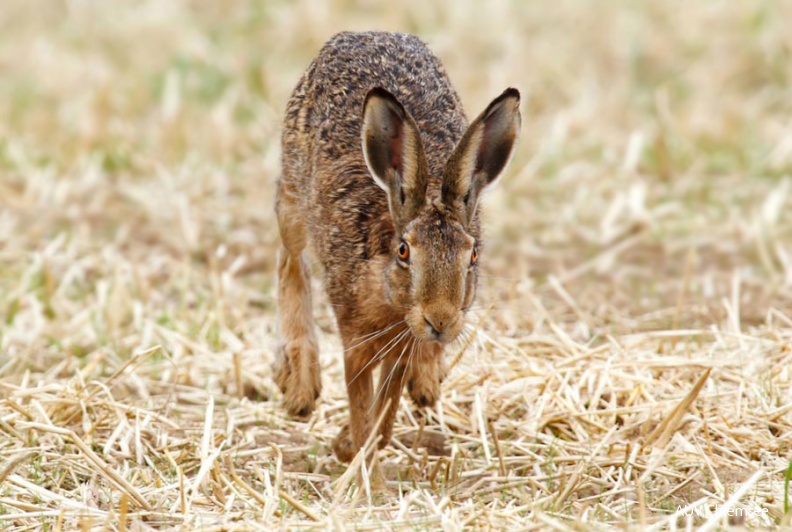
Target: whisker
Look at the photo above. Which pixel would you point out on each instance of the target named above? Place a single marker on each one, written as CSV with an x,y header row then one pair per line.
x,y
373,333
395,341
470,336
409,362
412,356
464,336
372,336
376,357
386,382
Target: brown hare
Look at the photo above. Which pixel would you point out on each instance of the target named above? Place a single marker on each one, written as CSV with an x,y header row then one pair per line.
x,y
382,177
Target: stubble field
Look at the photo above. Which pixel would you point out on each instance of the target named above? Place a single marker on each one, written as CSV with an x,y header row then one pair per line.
x,y
632,346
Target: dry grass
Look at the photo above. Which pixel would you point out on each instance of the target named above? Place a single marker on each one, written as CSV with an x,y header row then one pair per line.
x,y
633,348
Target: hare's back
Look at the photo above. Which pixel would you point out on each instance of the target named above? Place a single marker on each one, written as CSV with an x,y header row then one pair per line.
x,y
327,105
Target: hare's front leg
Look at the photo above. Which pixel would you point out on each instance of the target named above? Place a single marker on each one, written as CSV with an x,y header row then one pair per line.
x,y
363,409
425,374
296,368
391,384
357,372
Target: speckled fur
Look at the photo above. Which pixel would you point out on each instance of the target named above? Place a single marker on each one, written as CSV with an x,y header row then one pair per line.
x,y
327,199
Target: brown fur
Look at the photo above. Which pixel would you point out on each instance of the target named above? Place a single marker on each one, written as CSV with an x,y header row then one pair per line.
x,y
376,152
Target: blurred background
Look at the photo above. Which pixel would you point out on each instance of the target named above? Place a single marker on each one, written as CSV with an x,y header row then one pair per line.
x,y
139,146
139,143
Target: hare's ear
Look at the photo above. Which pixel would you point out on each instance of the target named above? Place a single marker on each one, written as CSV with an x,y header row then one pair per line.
x,y
394,154
482,154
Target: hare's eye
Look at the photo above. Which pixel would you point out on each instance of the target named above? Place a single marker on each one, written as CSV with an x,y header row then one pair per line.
x,y
474,257
404,251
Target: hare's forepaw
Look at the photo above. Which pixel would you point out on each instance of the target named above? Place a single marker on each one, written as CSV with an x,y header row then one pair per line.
x,y
302,388
343,446
424,392
424,383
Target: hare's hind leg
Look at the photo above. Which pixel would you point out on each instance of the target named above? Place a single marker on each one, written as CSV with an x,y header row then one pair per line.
x,y
296,368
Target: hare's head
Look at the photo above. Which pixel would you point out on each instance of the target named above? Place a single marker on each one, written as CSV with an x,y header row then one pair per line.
x,y
433,273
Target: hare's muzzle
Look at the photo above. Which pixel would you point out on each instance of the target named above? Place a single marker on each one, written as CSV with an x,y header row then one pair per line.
x,y
441,324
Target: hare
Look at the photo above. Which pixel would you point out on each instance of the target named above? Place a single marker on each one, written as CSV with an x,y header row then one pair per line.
x,y
381,176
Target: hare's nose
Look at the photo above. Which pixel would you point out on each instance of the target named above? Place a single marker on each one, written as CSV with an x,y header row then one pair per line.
x,y
432,327
439,322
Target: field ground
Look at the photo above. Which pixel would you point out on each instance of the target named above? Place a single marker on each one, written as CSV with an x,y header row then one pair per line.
x,y
633,346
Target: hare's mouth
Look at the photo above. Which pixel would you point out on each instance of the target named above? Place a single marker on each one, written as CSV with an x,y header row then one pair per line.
x,y
430,328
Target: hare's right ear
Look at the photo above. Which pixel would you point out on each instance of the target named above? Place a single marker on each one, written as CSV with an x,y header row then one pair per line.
x,y
394,154
482,154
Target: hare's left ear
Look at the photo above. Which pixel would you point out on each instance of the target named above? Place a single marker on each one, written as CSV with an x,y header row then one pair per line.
x,y
482,154
394,154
